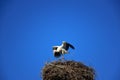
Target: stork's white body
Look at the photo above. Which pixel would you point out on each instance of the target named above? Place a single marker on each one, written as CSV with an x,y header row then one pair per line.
x,y
61,49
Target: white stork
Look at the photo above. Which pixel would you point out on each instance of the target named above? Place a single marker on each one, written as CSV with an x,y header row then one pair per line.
x,y
62,49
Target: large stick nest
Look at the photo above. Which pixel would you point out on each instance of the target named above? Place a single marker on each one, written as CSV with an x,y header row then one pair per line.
x,y
67,70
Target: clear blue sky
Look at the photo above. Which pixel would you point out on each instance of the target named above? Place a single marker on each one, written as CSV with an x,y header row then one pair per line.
x,y
29,29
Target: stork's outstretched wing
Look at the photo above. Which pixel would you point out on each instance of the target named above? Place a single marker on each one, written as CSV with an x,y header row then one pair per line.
x,y
67,45
71,46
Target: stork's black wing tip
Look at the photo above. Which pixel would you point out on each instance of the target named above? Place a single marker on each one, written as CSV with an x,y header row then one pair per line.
x,y
57,54
71,46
